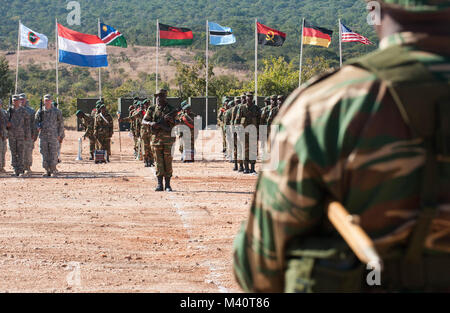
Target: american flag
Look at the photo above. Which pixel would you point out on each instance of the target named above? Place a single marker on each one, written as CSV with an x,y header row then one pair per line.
x,y
350,36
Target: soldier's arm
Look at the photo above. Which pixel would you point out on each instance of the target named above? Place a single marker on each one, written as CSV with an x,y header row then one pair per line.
x,y
60,126
27,128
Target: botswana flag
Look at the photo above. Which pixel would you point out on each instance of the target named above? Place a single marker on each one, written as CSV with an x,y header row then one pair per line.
x,y
270,37
174,36
316,36
220,35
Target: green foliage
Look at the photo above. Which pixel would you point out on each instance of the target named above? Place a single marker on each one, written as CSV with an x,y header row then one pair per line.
x,y
6,83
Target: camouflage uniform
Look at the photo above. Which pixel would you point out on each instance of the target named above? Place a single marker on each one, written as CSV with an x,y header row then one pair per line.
x,y
146,137
19,131
103,131
237,148
29,144
187,118
87,122
343,138
3,138
52,127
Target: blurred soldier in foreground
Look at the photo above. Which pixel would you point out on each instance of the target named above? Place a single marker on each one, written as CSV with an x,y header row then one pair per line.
x,y
103,130
161,119
3,137
87,122
29,144
373,136
19,131
50,126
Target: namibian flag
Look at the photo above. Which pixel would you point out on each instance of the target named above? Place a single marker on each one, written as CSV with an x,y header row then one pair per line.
x,y
316,36
174,36
270,37
81,49
112,37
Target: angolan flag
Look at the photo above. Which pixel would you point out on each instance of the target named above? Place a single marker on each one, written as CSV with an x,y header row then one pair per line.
x,y
270,37
112,37
174,36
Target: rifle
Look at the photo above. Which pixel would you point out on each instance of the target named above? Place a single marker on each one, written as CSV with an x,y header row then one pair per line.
x,y
353,234
10,110
163,121
40,117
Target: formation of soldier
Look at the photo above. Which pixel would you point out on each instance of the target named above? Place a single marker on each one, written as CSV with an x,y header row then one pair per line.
x,y
21,126
99,129
241,112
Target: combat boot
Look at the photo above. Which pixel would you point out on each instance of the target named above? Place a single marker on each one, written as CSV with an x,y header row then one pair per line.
x,y
168,188
160,184
252,170
246,170
107,158
151,163
241,168
92,157
235,166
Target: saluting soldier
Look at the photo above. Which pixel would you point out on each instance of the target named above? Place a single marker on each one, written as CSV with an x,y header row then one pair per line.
x,y
50,127
373,136
104,130
19,131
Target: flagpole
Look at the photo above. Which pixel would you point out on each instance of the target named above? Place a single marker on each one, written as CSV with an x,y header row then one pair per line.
x,y
256,61
207,70
301,55
340,43
157,53
17,65
99,69
57,60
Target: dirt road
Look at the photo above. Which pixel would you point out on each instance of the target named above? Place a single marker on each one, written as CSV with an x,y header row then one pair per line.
x,y
102,228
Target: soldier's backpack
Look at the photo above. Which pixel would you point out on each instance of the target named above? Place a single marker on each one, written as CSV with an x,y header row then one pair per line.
x,y
424,103
99,156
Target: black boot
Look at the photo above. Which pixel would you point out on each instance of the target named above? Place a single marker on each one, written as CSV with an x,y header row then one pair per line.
x,y
151,163
246,170
168,188
252,170
92,157
235,166
147,164
107,158
241,168
160,184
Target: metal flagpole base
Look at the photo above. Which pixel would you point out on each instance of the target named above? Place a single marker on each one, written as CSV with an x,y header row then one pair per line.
x,y
80,149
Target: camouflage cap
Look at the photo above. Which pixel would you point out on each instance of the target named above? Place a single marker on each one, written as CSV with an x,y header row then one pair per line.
x,y
161,92
416,5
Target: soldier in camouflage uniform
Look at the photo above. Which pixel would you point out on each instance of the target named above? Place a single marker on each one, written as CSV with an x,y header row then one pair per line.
x,y
161,119
50,126
146,136
220,122
237,147
227,126
186,117
265,111
29,144
87,122
103,130
249,114
3,137
19,131
371,136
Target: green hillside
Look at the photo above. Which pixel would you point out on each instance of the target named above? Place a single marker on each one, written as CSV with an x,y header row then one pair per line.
x,y
136,19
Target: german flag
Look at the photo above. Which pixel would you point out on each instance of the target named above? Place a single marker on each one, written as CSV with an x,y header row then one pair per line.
x,y
174,36
316,36
270,37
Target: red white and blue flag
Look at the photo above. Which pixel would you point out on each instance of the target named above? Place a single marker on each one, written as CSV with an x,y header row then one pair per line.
x,y
347,35
81,49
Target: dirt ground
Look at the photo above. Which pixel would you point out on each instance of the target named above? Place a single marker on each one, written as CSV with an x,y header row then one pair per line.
x,y
102,228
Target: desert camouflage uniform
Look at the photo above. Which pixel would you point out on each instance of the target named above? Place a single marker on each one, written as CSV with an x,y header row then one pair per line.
x,y
19,131
246,116
103,131
52,127
3,137
342,138
29,144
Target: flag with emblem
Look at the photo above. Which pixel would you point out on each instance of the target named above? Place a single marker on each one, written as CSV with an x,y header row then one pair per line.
x,y
111,37
270,37
32,39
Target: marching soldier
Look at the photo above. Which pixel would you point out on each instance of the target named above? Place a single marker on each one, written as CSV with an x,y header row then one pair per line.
x,y
19,131
103,130
50,127
3,137
87,122
29,144
161,119
249,114
373,136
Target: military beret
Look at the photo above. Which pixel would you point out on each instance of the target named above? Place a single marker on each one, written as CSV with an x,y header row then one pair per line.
x,y
102,106
231,103
48,97
416,5
146,101
183,103
249,94
280,97
186,106
99,102
79,112
266,99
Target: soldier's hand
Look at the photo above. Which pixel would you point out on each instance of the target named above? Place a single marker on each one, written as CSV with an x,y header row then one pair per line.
x,y
8,125
60,139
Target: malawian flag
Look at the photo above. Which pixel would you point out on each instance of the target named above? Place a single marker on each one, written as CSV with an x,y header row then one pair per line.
x,y
174,36
31,39
81,49
220,35
112,37
270,37
349,36
316,36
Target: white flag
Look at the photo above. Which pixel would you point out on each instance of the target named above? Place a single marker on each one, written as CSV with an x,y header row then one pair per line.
x,y
31,39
